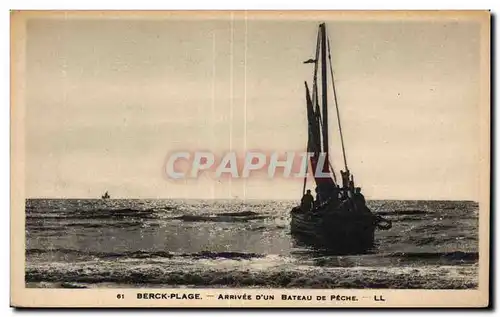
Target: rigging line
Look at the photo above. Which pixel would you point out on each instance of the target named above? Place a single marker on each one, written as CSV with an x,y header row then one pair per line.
x,y
337,107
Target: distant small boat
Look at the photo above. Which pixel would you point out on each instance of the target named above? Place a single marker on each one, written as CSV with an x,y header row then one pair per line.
x,y
106,196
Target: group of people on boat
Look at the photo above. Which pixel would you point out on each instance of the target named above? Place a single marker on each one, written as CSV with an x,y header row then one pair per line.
x,y
346,197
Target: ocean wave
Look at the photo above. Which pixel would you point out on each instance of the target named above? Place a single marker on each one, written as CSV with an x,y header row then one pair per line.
x,y
129,214
122,213
225,255
145,254
448,256
431,228
403,212
238,214
55,230
326,278
103,255
423,241
410,218
243,216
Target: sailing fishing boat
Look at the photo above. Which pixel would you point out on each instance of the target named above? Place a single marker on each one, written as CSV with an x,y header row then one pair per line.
x,y
338,219
106,196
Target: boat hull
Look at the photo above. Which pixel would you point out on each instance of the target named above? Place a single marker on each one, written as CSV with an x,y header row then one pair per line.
x,y
337,232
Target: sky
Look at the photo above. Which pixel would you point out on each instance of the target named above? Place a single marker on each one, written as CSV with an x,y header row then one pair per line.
x,y
107,100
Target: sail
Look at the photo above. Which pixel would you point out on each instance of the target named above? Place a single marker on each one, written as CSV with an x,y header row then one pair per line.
x,y
314,143
317,118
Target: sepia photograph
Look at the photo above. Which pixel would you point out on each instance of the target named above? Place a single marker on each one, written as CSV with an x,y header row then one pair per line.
x,y
251,150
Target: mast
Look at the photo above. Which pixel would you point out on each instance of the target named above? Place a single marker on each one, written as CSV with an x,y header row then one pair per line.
x,y
324,88
313,140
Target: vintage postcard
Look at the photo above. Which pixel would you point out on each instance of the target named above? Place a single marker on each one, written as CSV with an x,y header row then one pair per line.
x,y
250,158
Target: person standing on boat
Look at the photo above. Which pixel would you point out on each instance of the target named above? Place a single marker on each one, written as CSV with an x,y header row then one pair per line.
x,y
306,204
360,199
319,197
345,178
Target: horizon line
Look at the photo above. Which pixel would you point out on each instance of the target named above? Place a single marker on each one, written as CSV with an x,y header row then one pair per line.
x,y
238,199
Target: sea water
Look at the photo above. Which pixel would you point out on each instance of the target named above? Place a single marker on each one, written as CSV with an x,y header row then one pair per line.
x,y
86,243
